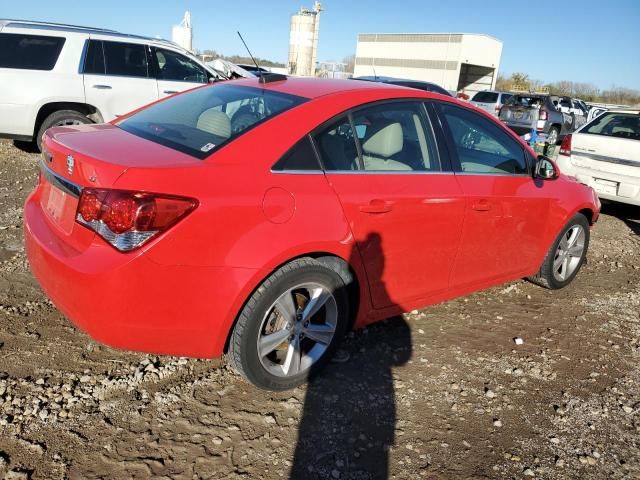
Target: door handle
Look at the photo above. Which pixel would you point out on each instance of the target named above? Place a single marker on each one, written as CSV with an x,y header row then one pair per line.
x,y
102,87
170,92
376,206
481,206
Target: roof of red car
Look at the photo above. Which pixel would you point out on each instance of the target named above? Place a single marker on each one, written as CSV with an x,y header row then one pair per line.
x,y
314,87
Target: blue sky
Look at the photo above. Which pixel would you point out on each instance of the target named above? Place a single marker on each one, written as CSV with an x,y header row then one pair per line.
x,y
594,41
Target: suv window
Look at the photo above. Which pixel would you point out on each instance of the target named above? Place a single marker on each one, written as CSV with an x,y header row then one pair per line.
x,y
483,147
173,66
127,59
94,60
29,52
300,157
485,97
505,97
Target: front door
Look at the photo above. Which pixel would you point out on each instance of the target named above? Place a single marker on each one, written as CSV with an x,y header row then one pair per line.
x,y
400,197
176,72
117,77
507,211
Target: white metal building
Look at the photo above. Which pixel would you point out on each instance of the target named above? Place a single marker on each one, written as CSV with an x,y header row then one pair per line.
x,y
303,41
456,61
182,34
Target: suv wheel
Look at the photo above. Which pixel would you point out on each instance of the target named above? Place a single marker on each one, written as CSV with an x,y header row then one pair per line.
x,y
553,136
58,119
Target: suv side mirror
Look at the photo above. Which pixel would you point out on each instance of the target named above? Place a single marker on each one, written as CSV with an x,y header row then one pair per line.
x,y
546,169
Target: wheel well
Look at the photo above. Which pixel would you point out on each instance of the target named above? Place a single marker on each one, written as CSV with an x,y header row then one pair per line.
x,y
341,267
48,108
587,213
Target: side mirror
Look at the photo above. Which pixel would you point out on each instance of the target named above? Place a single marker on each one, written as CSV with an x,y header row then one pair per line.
x,y
546,169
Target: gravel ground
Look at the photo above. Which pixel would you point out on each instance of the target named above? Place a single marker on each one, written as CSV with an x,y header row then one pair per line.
x,y
443,392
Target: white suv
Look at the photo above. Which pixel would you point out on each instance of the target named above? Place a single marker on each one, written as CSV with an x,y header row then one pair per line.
x,y
52,74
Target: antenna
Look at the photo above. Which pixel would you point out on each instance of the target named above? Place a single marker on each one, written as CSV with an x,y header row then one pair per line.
x,y
264,77
249,51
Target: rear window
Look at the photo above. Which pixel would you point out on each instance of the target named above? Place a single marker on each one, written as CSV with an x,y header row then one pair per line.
x,y
525,100
202,120
485,97
621,125
29,52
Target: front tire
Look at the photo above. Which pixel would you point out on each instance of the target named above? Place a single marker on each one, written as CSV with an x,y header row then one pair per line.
x,y
290,326
58,119
566,256
553,136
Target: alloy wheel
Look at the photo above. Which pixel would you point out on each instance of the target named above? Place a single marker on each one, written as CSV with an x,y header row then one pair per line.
x,y
569,253
297,329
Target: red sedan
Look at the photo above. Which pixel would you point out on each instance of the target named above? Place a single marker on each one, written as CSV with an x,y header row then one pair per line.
x,y
264,218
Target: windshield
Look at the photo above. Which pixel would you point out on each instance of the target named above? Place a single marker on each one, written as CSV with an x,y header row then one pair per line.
x,y
202,120
621,125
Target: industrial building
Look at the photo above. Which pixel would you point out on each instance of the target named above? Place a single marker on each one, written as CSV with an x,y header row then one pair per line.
x,y
303,41
465,62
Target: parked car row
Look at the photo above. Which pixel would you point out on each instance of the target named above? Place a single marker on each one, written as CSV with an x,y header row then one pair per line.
x,y
56,74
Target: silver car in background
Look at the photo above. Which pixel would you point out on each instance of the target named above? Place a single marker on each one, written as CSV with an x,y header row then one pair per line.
x,y
490,100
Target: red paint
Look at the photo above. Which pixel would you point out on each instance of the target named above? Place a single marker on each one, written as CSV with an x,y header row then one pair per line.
x,y
441,235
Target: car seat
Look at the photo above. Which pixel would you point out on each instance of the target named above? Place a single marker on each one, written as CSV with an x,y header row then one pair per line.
x,y
215,122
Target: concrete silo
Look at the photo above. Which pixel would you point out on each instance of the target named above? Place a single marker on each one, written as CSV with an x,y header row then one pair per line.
x,y
182,34
303,41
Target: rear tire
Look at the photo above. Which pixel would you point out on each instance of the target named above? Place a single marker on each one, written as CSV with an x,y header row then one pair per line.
x,y
566,255
290,326
60,118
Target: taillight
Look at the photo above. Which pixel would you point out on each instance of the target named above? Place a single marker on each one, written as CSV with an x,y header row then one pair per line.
x,y
543,115
565,148
128,219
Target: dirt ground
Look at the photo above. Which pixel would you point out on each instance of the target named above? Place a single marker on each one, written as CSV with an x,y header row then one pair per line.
x,y
441,393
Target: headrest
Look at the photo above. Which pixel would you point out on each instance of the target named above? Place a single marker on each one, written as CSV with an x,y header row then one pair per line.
x,y
386,142
215,122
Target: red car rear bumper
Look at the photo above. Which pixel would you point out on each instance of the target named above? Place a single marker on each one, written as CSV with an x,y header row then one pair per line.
x,y
129,301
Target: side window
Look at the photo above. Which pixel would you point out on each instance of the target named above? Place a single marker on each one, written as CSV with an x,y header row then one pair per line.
x,y
505,97
395,137
300,157
173,66
337,146
94,60
127,59
483,147
29,52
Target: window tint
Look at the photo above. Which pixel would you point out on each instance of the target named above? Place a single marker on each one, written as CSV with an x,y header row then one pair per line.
x,y
622,125
94,60
483,147
127,59
394,137
173,66
337,146
29,52
200,121
300,157
505,97
485,97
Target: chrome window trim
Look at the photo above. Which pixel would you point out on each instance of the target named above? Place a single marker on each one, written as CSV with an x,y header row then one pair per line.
x,y
387,172
298,172
494,174
60,182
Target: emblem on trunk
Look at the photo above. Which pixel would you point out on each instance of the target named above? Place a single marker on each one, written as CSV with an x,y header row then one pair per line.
x,y
70,164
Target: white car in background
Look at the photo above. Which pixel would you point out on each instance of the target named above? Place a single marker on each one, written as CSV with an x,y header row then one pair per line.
x,y
490,101
56,75
605,154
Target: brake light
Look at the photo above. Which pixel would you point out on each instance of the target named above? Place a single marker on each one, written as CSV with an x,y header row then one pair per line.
x,y
128,219
543,115
565,148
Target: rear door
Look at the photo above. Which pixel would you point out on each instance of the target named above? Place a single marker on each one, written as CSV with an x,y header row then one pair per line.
x,y
506,210
400,196
117,77
176,72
